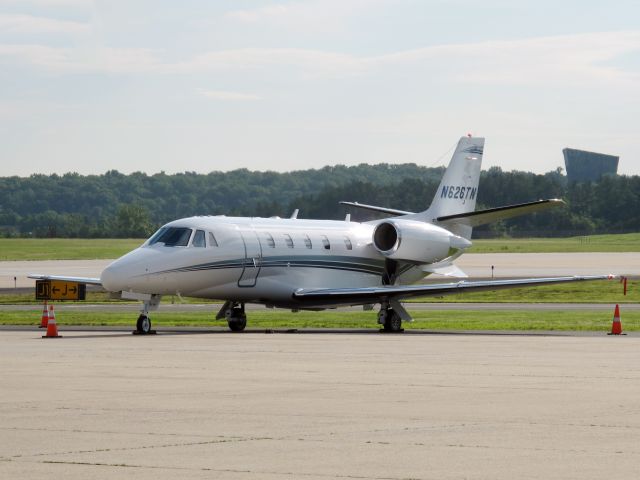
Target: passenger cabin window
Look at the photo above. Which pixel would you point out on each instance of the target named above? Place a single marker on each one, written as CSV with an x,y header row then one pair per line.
x,y
212,240
271,243
172,237
307,241
347,243
198,239
288,240
325,242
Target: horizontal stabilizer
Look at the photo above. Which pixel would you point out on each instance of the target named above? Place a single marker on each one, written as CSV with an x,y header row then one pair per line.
x,y
473,219
62,278
390,211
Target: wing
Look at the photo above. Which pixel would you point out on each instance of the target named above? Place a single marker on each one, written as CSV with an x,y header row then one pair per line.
x,y
357,296
63,278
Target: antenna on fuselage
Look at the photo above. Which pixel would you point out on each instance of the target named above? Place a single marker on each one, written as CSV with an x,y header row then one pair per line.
x,y
347,217
294,215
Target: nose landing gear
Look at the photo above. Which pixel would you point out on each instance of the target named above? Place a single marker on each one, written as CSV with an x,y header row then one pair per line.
x,y
143,325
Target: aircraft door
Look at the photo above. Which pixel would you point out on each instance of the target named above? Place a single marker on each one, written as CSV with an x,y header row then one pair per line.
x,y
252,259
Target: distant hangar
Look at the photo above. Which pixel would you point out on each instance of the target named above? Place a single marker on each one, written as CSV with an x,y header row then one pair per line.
x,y
583,166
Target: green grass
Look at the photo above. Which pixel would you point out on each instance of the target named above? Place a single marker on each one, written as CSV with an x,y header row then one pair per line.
x,y
65,248
628,242
579,292
436,320
100,248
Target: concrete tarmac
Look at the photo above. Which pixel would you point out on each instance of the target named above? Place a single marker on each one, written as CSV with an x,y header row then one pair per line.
x,y
507,265
357,405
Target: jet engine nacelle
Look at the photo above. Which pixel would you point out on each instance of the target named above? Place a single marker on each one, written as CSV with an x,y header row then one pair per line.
x,y
414,241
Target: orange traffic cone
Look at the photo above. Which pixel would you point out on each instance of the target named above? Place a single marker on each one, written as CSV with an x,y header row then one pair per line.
x,y
616,326
45,316
52,328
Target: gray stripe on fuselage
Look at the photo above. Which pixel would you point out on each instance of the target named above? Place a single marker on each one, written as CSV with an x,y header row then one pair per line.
x,y
355,264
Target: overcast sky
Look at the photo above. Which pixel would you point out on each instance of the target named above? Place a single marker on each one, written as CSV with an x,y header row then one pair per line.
x,y
150,85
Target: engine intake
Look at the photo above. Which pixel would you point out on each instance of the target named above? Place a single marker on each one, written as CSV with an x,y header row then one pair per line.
x,y
385,237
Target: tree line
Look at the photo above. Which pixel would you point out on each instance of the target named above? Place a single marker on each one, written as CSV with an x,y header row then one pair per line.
x,y
117,205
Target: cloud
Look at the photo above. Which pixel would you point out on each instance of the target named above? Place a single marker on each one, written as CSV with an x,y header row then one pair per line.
x,y
29,24
582,60
50,3
567,60
226,95
575,60
66,60
311,61
37,55
310,15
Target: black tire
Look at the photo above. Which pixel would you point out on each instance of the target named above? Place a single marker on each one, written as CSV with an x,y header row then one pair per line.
x,y
143,325
393,322
237,323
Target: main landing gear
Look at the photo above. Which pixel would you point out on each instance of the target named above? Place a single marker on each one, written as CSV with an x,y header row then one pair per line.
x,y
233,312
391,315
143,325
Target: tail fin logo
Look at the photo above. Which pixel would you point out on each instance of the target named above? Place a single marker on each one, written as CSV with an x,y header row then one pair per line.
x,y
477,149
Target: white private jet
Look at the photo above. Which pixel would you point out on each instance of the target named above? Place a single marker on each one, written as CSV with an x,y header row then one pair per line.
x,y
318,264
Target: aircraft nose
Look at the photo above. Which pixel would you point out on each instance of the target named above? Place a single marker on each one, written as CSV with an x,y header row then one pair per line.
x,y
111,278
125,273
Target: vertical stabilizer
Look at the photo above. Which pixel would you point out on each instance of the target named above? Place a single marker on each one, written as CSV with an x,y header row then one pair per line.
x,y
458,189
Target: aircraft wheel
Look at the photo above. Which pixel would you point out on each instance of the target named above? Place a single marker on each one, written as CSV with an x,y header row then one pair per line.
x,y
143,324
237,323
393,322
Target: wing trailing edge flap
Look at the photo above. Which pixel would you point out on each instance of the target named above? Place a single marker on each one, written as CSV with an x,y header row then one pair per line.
x,y
480,217
357,296
64,278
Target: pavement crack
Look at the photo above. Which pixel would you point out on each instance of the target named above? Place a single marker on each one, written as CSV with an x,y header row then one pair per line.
x,y
109,432
230,470
147,447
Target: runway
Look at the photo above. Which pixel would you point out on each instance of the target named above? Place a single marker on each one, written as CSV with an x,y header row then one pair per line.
x,y
243,406
506,265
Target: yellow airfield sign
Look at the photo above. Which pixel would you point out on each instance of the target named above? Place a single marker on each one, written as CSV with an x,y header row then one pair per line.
x,y
59,290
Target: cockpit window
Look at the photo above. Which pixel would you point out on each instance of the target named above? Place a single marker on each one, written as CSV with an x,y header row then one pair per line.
x,y
198,239
154,237
171,237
